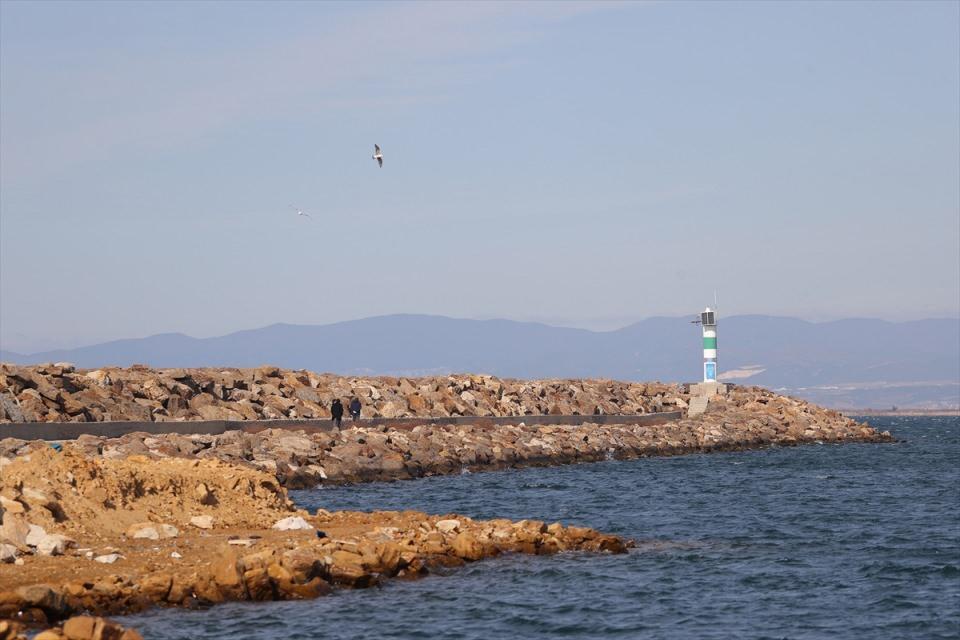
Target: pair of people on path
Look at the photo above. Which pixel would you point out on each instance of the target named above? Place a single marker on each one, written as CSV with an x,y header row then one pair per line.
x,y
336,411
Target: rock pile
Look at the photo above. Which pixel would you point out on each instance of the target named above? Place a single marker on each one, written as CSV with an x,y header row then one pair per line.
x,y
362,550
744,418
76,628
60,393
70,492
136,538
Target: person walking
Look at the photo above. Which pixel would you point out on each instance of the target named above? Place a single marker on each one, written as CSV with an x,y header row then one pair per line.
x,y
336,410
355,408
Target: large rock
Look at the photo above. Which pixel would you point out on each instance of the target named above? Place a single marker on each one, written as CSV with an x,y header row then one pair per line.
x,y
9,406
151,531
8,553
293,523
14,529
54,544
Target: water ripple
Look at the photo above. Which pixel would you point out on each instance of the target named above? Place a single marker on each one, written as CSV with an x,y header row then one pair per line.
x,y
853,541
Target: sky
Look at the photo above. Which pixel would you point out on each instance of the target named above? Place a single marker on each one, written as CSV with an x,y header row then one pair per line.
x,y
581,164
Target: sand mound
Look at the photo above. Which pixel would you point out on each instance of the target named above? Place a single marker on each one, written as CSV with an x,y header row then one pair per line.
x,y
67,492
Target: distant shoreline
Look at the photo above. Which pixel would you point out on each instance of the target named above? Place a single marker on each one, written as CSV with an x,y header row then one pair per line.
x,y
900,412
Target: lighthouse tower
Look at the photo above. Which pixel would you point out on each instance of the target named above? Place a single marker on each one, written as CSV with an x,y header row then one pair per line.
x,y
708,320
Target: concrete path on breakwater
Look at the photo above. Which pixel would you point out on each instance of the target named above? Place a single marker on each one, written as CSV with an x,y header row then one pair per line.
x,y
71,430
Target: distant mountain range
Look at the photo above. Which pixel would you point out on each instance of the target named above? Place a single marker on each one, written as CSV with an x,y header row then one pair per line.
x,y
847,363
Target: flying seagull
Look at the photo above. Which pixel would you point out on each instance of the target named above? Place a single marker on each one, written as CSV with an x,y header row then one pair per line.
x,y
377,155
301,212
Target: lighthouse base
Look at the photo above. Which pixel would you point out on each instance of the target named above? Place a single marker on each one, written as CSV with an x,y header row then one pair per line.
x,y
707,389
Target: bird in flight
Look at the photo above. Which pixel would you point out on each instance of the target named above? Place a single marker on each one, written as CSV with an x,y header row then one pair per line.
x,y
301,212
377,155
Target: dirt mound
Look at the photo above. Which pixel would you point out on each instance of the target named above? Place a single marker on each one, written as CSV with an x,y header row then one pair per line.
x,y
89,498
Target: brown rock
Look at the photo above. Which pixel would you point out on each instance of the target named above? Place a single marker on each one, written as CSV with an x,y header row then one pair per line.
x,y
226,575
10,630
80,628
466,546
258,583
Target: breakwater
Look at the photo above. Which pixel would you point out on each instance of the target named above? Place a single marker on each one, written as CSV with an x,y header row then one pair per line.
x,y
61,393
744,418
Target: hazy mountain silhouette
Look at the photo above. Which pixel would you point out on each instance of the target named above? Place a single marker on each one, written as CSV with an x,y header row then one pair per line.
x,y
892,363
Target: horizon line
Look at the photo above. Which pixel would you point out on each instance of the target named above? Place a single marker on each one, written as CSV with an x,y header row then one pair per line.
x,y
460,319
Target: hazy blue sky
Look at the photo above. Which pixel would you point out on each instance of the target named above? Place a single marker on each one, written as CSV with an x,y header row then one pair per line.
x,y
582,164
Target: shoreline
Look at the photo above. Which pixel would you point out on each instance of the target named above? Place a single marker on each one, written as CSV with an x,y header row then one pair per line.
x,y
116,536
114,525
918,413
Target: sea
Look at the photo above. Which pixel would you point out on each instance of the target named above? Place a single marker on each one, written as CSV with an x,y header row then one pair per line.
x,y
817,541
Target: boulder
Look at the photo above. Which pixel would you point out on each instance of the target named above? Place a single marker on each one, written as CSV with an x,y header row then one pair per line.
x,y
202,522
35,535
448,526
8,553
14,529
109,558
467,547
54,544
9,406
80,628
151,531
293,523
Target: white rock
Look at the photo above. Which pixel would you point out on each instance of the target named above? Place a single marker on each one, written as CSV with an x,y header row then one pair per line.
x,y
110,558
54,545
448,526
241,542
19,562
148,532
35,495
35,536
202,522
293,523
175,555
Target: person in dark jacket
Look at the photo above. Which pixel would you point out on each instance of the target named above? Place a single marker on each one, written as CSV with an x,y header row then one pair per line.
x,y
355,408
336,410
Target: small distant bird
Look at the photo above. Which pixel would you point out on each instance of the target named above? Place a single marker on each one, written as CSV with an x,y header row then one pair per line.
x,y
301,212
377,155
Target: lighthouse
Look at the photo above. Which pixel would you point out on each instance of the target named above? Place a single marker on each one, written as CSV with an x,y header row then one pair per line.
x,y
708,321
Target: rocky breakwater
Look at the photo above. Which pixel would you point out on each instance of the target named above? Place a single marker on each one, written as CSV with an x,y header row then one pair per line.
x,y
76,628
138,532
747,417
61,393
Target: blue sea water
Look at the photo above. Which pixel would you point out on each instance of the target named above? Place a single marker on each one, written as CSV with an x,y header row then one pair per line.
x,y
821,541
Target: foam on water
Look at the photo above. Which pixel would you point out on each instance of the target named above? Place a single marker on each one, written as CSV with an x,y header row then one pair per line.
x,y
833,541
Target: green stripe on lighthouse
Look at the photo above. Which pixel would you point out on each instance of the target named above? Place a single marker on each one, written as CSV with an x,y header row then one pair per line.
x,y
709,343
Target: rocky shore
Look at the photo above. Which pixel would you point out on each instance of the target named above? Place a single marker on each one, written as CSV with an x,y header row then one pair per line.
x,y
61,393
107,536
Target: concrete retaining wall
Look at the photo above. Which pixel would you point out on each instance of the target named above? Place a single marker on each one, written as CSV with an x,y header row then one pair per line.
x,y
70,430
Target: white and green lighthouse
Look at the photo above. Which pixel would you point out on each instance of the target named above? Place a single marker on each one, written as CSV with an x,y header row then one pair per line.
x,y
708,320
